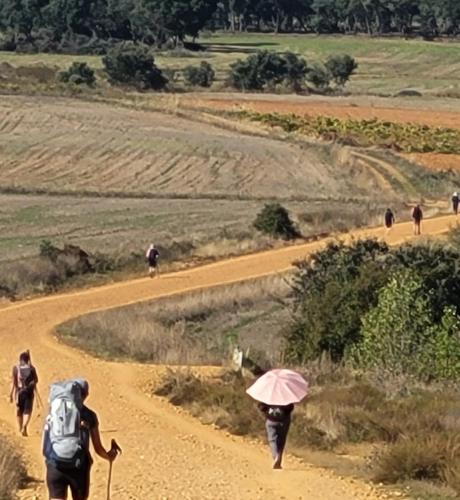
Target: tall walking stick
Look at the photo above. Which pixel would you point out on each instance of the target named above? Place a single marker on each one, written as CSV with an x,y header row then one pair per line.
x,y
113,446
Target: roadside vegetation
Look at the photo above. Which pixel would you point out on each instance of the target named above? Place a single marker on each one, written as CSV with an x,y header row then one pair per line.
x,y
407,138
195,329
375,330
12,470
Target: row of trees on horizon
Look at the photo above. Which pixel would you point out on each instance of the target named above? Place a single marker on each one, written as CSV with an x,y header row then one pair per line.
x,y
158,22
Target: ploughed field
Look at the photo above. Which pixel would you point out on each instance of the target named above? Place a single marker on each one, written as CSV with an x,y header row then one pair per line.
x,y
61,145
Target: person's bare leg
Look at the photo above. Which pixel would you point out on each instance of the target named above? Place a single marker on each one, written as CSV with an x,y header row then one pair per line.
x,y
20,420
26,424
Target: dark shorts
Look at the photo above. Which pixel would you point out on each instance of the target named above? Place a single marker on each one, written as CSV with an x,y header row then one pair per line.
x,y
25,403
153,263
59,481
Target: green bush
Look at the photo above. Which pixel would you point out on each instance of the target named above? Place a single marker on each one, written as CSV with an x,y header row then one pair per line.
x,y
295,69
78,73
199,76
319,76
337,287
132,64
332,289
341,68
274,220
265,70
401,337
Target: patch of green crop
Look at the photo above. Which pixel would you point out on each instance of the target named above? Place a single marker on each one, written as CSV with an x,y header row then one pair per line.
x,y
405,137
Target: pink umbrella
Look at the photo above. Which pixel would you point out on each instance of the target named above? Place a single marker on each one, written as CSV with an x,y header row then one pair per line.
x,y
279,387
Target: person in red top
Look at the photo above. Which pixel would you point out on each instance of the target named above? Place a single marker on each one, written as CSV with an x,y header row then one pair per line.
x,y
417,216
24,383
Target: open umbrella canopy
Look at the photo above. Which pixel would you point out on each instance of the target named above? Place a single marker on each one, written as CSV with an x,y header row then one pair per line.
x,y
279,387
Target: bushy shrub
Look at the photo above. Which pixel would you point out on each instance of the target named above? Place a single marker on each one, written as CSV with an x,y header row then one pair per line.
x,y
401,337
295,68
257,71
266,69
430,456
319,76
78,73
132,64
199,76
332,290
274,220
338,286
341,67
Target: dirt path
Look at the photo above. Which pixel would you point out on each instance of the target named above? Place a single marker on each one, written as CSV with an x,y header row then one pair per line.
x,y
167,453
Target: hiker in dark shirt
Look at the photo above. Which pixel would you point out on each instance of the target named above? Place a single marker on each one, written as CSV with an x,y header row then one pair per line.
x,y
58,478
277,423
152,256
23,385
417,216
455,202
389,219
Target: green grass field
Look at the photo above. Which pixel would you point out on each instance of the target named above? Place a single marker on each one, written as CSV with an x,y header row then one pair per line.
x,y
386,66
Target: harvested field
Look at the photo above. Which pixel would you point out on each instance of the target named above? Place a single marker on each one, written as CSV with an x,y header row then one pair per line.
x,y
59,145
121,226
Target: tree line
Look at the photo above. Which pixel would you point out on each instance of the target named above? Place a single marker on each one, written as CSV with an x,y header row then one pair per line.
x,y
51,24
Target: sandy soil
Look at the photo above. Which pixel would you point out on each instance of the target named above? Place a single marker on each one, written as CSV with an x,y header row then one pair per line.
x,y
167,453
394,110
435,161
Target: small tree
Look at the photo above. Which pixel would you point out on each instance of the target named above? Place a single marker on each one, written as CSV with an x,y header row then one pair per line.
x,y
400,335
200,76
341,67
266,69
78,73
132,64
258,71
296,70
274,220
319,76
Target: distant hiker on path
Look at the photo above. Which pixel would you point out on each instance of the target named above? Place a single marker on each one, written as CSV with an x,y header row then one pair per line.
x,y
417,216
152,256
455,201
277,423
389,219
24,383
69,429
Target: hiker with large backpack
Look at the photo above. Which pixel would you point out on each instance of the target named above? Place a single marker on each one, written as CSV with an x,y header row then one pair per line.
x,y
153,256
69,428
23,386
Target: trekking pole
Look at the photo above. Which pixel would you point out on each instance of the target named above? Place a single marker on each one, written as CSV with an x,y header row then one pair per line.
x,y
39,399
113,446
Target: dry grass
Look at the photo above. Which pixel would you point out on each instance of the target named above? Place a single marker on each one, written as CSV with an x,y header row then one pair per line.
x,y
12,470
197,328
59,145
421,435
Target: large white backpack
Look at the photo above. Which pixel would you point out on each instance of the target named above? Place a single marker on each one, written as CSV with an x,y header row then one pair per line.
x,y
64,442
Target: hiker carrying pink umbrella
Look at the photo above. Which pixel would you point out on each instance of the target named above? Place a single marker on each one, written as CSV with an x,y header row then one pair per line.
x,y
277,391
